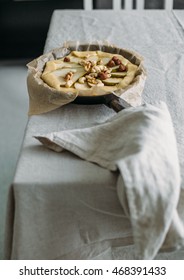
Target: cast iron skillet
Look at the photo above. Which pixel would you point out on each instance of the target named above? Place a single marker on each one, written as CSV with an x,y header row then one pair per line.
x,y
109,99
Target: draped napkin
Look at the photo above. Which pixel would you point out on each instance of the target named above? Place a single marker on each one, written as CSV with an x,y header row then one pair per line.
x,y
139,142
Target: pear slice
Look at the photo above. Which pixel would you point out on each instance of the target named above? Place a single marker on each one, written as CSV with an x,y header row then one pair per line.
x,y
63,64
59,73
96,85
112,81
84,54
110,55
105,60
80,86
58,64
114,68
75,77
50,66
56,78
53,80
105,54
62,72
118,74
92,58
74,59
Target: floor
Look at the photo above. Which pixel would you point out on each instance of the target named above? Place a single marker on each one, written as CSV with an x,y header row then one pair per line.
x,y
13,119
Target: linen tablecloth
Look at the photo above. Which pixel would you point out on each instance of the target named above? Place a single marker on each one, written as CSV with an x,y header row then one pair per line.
x,y
61,207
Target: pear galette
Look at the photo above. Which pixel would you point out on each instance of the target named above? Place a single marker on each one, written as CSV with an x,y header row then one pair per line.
x,y
84,70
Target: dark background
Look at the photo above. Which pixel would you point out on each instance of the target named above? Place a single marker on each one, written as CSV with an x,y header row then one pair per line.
x,y
24,23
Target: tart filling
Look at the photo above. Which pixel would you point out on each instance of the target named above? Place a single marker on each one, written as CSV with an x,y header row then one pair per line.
x,y
84,71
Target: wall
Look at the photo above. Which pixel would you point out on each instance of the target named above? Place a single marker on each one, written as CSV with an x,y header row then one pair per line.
x,y
24,25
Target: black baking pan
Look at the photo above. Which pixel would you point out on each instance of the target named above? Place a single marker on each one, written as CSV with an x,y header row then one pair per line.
x,y
110,100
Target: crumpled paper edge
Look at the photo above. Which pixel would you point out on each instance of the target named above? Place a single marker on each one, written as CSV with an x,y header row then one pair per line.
x,y
43,98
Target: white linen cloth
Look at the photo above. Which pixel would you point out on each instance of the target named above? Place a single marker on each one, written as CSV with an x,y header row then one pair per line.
x,y
140,143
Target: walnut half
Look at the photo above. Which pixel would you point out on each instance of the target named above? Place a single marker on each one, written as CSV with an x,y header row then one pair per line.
x,y
68,76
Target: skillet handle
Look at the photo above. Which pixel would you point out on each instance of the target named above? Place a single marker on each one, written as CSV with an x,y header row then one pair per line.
x,y
116,105
114,102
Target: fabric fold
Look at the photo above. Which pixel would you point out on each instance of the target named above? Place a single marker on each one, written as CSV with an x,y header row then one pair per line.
x,y
140,143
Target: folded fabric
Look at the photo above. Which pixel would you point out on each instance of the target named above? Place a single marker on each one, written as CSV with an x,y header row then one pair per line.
x,y
140,143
